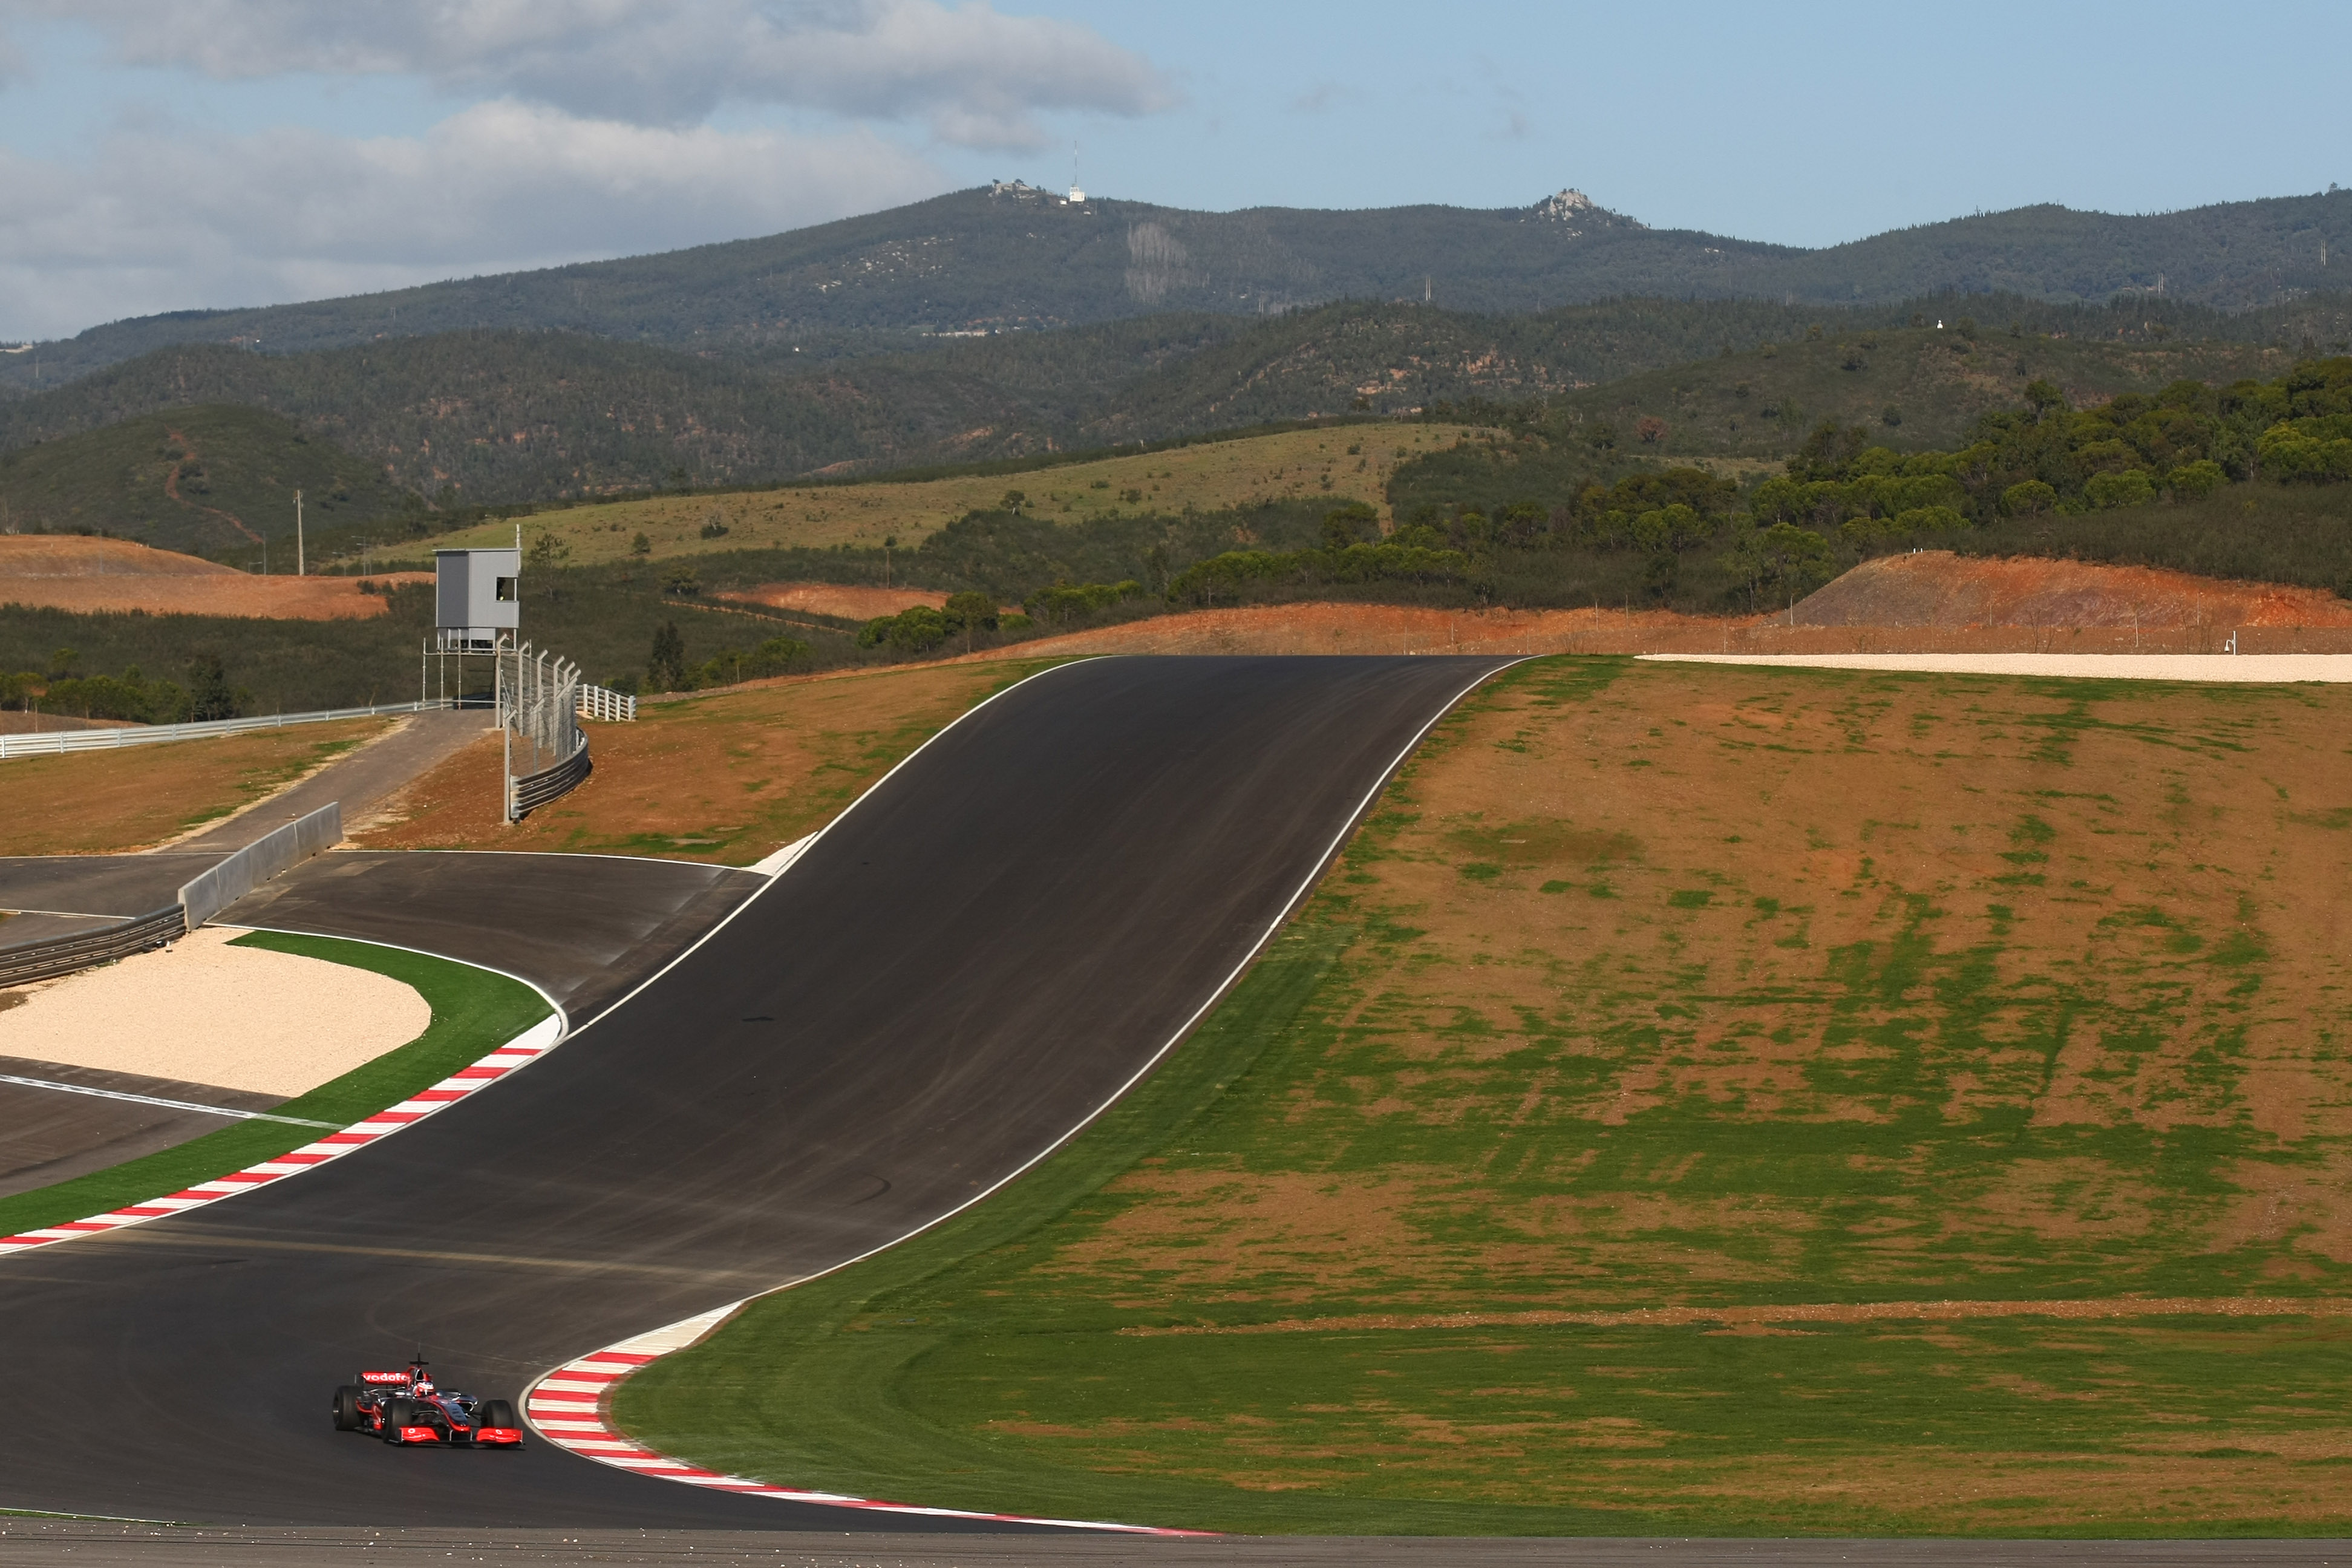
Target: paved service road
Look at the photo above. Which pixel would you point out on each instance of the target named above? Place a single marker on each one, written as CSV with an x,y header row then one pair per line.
x,y
962,969
585,929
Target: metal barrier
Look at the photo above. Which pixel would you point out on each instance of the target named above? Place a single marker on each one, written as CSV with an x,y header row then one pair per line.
x,y
532,791
612,707
539,703
259,861
63,954
62,740
199,901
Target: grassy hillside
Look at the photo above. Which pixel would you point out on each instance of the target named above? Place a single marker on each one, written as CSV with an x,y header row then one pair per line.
x,y
1702,1100
200,480
1012,257
1344,463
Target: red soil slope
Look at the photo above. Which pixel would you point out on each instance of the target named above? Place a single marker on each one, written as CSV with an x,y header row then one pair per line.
x,y
1930,602
1936,588
850,604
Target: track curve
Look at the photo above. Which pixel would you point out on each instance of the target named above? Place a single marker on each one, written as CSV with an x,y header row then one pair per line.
x,y
962,969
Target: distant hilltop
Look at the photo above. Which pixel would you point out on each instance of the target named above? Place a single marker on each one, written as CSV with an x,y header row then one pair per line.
x,y
1573,207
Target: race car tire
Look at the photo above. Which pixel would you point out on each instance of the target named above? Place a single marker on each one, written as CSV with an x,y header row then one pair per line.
x,y
495,1413
397,1412
347,1408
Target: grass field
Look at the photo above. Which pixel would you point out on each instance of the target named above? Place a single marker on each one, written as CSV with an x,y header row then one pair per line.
x,y
474,1013
1704,1100
1206,478
728,777
108,803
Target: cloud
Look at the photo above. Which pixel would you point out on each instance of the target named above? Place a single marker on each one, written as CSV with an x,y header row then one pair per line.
x,y
155,218
975,76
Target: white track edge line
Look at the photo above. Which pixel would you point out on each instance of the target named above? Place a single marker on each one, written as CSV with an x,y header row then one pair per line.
x,y
705,1323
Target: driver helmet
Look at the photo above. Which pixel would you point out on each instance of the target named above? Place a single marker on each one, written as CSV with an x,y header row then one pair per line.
x,y
423,1386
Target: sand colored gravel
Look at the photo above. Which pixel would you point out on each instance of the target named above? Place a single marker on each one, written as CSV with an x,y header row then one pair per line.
x,y
204,1012
2261,668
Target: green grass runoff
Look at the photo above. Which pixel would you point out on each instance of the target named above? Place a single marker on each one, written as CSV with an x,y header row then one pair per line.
x,y
474,1013
1593,1152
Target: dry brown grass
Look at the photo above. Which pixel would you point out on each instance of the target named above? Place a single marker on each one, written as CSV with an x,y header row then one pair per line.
x,y
726,777
86,576
1873,903
110,803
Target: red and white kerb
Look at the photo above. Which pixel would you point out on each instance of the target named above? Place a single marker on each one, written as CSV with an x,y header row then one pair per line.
x,y
517,1053
571,1407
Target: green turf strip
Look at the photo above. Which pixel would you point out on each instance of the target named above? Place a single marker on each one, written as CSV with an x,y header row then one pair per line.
x,y
474,1013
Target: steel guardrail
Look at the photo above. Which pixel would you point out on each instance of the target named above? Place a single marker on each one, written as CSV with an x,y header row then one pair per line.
x,y
59,741
210,893
532,791
58,955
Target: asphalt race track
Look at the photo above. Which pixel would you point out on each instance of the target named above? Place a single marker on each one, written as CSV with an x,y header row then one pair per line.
x,y
963,967
584,928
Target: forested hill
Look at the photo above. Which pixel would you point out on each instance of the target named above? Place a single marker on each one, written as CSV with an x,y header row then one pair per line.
x,y
1011,256
492,417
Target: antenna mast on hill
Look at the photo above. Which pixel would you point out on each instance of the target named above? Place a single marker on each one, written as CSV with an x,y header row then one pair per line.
x,y
1077,196
297,533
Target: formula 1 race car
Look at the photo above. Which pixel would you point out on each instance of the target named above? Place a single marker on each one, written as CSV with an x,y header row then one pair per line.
x,y
408,1407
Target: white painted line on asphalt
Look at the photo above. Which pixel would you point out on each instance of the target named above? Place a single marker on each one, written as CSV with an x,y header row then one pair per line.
x,y
165,1104
2283,668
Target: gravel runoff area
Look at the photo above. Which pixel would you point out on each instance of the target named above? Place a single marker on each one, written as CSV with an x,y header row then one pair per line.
x,y
204,1012
2260,667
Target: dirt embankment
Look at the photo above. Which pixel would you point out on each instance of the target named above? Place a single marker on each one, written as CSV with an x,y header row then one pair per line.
x,y
1937,589
71,573
1934,602
839,600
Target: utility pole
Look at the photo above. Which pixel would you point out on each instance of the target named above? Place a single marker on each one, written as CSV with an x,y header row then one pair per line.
x,y
297,533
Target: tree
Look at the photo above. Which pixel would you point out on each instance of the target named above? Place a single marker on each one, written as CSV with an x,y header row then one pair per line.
x,y
1650,429
1350,524
681,579
665,667
209,695
2028,500
1013,502
1782,563
549,551
969,613
641,545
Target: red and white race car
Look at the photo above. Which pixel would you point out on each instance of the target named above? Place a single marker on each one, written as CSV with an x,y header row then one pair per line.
x,y
407,1406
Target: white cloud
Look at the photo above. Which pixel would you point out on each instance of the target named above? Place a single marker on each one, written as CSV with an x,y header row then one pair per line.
x,y
973,75
158,219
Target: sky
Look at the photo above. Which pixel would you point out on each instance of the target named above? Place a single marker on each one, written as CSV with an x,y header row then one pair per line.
x,y
158,157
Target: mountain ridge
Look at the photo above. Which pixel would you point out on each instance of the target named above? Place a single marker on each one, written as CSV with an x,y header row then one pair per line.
x,y
1004,258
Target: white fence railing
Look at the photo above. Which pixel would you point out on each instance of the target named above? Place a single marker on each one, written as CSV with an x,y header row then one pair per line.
x,y
61,740
611,707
